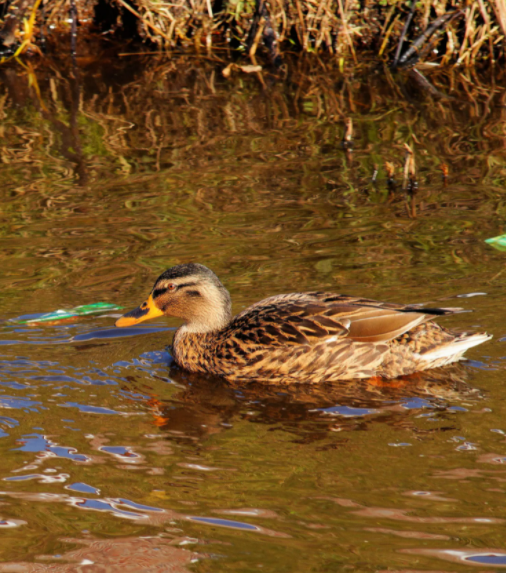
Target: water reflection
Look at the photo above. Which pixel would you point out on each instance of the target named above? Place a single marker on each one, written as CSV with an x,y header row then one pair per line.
x,y
82,488
111,176
153,554
487,557
208,406
47,448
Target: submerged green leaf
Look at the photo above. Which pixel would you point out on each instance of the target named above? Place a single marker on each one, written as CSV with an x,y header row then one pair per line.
x,y
60,314
498,242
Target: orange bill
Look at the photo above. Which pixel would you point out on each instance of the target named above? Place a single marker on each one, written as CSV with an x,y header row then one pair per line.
x,y
146,311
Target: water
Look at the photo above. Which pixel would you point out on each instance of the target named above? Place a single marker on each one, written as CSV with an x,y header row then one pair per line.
x,y
112,174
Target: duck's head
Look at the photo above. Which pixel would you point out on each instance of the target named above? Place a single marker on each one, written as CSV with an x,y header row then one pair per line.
x,y
191,292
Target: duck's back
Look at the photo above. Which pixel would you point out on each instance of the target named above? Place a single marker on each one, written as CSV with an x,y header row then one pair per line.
x,y
316,337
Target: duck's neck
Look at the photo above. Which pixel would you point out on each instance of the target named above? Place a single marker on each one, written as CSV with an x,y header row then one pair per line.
x,y
193,350
194,342
211,312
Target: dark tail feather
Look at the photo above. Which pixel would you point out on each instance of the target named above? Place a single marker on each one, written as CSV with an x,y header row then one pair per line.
x,y
434,311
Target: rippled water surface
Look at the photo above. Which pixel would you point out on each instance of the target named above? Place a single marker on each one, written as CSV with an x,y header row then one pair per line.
x,y
115,170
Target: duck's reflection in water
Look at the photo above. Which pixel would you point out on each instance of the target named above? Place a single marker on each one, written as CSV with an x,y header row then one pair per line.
x,y
206,406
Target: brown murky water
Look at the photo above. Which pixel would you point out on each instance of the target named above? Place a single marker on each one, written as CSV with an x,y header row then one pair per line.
x,y
111,457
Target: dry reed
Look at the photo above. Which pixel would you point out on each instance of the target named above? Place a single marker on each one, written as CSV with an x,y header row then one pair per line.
x,y
463,32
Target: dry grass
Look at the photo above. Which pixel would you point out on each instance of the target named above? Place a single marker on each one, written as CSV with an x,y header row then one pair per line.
x,y
462,32
340,27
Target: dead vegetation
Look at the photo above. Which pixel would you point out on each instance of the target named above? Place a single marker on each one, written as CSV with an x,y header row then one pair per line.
x,y
402,32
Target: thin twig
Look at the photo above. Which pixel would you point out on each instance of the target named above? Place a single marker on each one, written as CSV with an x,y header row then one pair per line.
x,y
438,23
403,34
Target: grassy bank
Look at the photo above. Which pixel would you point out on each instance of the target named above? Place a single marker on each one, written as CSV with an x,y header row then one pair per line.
x,y
401,32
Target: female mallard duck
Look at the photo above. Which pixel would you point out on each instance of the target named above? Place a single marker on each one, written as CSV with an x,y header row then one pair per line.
x,y
299,337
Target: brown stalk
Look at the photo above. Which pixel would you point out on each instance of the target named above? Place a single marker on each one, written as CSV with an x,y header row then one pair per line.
x,y
387,35
323,23
256,39
410,183
444,172
302,34
152,26
500,10
469,25
348,134
344,24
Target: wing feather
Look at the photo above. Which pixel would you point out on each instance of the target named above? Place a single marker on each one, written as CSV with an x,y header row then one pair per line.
x,y
311,318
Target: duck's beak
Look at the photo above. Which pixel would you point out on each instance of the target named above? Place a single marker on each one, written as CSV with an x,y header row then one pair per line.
x,y
146,311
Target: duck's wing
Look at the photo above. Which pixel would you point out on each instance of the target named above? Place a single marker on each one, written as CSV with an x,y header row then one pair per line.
x,y
309,318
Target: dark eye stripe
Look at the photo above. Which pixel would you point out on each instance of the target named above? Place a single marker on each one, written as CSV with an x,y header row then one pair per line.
x,y
158,292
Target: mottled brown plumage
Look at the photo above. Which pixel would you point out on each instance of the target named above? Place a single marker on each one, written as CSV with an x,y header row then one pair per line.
x,y
299,337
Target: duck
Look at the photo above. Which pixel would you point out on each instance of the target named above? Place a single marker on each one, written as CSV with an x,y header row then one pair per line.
x,y
303,337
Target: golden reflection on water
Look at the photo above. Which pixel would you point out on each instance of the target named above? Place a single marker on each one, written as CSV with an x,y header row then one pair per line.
x,y
114,172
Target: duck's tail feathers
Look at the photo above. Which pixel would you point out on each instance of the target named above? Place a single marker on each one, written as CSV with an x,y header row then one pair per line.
x,y
454,350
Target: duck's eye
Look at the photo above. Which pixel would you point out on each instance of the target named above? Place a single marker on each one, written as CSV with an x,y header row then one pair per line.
x,y
172,287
